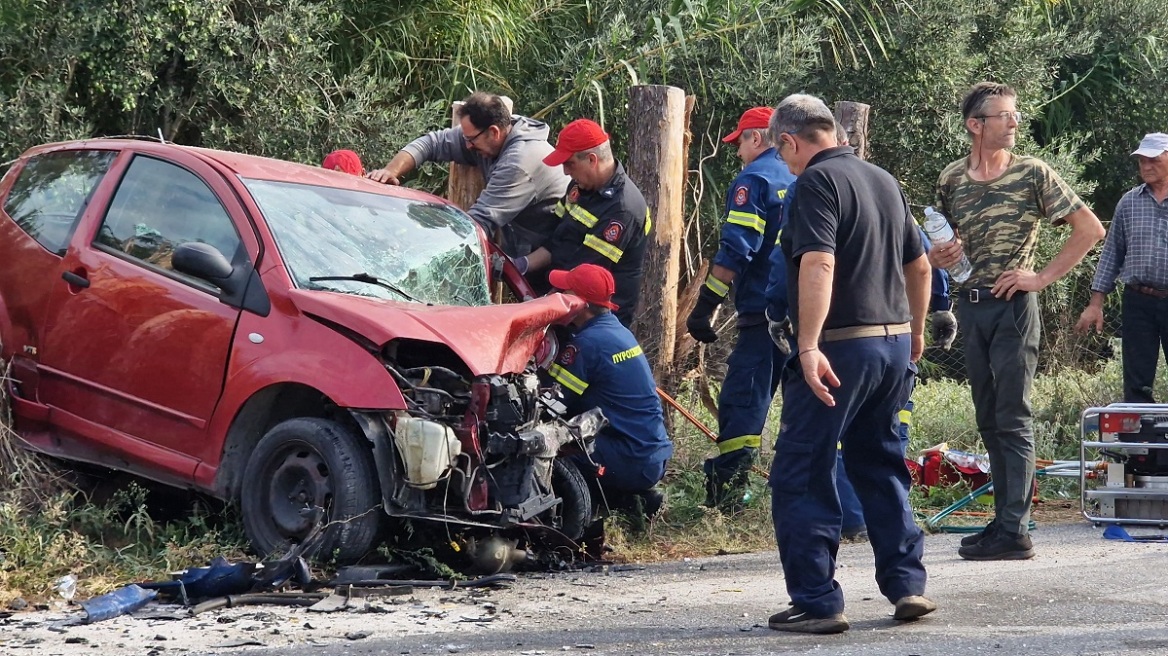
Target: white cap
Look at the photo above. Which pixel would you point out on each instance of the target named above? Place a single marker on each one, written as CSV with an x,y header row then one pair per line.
x,y
1152,145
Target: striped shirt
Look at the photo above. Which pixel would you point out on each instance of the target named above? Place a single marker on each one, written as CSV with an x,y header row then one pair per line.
x,y
1136,250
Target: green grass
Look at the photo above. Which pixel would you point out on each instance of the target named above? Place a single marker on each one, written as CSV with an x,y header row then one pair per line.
x,y
48,528
104,545
943,414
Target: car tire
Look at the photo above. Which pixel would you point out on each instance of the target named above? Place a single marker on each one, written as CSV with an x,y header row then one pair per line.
x,y
306,462
576,506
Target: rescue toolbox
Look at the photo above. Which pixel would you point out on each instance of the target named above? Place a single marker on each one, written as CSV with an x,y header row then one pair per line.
x,y
1123,464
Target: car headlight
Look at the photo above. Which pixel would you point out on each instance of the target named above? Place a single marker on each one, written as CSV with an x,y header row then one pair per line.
x,y
548,349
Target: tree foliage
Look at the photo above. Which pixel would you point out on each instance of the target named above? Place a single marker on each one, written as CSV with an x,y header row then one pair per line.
x,y
296,78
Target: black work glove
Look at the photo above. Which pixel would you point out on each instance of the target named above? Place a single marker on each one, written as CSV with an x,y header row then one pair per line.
x,y
727,476
944,329
698,322
780,332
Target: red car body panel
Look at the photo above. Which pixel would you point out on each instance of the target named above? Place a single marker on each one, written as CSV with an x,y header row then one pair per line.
x,y
146,370
494,339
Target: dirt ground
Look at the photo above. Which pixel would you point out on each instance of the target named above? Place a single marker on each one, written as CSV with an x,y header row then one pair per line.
x,y
161,629
714,605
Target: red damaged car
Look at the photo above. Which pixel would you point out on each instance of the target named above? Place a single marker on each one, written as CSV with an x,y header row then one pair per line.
x,y
289,338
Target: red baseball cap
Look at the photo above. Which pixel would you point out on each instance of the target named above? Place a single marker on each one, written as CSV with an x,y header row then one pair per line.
x,y
577,136
754,118
344,160
590,282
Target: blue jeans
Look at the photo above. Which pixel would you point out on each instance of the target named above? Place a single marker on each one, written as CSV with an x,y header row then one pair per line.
x,y
875,382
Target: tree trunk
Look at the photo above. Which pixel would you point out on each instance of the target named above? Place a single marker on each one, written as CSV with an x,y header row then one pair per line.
x,y
854,117
656,163
683,343
466,182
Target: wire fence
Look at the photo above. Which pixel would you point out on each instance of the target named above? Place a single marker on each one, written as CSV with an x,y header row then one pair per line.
x,y
1061,347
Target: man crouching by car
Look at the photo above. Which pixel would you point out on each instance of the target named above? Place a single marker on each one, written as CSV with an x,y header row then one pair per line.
x,y
603,366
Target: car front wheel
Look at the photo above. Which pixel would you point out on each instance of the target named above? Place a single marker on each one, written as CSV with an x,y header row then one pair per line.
x,y
308,462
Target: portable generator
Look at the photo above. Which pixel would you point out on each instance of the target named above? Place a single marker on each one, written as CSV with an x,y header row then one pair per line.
x,y
1130,484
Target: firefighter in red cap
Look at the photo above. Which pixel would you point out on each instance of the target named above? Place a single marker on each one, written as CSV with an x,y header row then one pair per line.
x,y
345,161
603,366
603,217
750,228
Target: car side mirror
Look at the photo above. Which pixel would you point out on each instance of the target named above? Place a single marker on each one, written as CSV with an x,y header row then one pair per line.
x,y
203,261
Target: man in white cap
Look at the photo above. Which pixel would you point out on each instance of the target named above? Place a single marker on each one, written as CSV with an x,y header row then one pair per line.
x,y
1135,255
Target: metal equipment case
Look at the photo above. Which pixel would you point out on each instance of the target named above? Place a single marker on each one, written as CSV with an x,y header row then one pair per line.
x,y
1123,464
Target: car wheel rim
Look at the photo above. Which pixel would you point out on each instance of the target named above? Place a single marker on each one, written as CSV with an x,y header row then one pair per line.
x,y
299,480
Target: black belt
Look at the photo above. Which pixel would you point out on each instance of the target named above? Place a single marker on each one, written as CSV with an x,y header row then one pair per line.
x,y
983,294
1148,291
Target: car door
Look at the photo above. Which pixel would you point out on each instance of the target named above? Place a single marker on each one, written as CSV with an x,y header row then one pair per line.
x,y
135,353
43,205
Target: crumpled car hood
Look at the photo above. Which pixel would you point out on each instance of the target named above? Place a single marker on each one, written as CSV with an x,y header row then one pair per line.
x,y
492,339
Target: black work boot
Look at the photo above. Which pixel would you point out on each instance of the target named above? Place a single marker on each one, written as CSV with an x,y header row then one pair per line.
x,y
650,501
727,475
999,545
794,619
855,534
974,538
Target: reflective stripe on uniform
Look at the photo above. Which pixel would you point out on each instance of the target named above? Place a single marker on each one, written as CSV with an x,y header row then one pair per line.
x,y
752,221
604,248
905,417
567,379
717,286
778,236
648,221
582,215
735,443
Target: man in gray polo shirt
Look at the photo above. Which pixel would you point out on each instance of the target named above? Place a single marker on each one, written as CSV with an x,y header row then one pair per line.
x,y
1135,253
520,193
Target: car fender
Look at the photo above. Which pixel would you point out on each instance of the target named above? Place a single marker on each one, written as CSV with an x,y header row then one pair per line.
x,y
7,346
310,354
313,358
298,350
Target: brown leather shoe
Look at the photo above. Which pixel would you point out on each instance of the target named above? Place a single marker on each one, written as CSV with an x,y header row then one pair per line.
x,y
913,607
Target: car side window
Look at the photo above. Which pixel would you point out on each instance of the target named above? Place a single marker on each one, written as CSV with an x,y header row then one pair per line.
x,y
159,205
51,192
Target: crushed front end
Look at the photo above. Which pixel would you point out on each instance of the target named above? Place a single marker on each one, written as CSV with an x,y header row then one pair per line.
x,y
488,457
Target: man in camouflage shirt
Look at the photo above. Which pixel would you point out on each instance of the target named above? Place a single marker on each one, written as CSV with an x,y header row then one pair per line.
x,y
997,202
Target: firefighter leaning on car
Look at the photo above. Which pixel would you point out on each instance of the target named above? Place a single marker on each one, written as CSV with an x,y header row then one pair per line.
x,y
750,228
604,219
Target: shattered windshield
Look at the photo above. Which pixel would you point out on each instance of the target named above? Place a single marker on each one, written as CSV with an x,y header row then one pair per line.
x,y
382,247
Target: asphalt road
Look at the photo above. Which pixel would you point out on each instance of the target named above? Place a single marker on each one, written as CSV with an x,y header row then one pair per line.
x,y
1080,595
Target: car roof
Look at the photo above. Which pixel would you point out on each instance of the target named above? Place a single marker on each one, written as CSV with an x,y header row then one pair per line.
x,y
251,166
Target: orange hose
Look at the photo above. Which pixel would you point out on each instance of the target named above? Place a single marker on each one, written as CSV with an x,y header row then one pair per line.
x,y
700,426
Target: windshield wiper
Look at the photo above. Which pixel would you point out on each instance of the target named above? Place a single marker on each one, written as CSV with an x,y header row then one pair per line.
x,y
372,280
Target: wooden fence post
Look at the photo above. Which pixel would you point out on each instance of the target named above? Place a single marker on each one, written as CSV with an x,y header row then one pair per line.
x,y
465,182
854,117
656,163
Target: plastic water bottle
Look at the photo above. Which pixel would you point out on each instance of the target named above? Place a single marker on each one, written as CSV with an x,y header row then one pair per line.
x,y
939,231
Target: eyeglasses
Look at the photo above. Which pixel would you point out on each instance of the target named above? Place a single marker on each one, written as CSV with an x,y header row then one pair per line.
x,y
470,141
1005,116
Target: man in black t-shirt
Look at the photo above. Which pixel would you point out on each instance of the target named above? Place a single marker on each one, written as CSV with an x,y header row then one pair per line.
x,y
858,284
